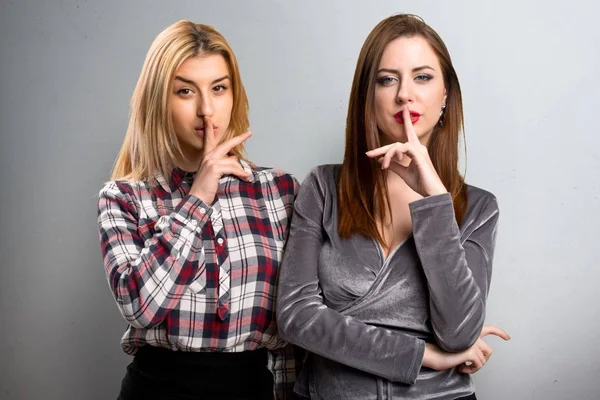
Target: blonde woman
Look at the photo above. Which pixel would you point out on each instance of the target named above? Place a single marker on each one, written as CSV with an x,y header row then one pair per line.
x,y
192,233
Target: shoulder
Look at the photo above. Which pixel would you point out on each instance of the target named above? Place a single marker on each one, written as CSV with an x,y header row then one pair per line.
x,y
124,188
271,173
117,189
479,198
129,195
482,207
284,182
320,185
325,175
156,185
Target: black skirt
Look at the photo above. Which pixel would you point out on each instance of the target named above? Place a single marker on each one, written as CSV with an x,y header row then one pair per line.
x,y
162,374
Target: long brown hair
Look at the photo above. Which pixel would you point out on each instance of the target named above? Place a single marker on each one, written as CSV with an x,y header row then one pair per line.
x,y
150,144
361,187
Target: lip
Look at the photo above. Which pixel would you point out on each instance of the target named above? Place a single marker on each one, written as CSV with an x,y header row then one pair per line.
x,y
414,117
200,129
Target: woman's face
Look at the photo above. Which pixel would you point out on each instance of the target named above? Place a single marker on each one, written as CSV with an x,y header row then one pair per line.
x,y
409,75
201,88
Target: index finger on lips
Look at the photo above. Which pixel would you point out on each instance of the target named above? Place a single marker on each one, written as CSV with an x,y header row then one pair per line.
x,y
411,134
210,142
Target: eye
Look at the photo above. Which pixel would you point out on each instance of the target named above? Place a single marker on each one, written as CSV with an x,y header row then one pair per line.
x,y
220,88
423,78
184,92
386,80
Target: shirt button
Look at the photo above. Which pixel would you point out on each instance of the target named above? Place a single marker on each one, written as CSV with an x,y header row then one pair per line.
x,y
202,210
194,222
220,241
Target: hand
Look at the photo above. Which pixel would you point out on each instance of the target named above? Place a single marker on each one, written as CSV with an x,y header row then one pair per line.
x,y
483,346
215,163
420,175
470,360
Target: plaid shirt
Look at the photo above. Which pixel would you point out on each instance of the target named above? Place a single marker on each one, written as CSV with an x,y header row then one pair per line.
x,y
190,276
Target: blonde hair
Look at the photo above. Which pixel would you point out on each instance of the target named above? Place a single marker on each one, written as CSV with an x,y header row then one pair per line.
x,y
150,144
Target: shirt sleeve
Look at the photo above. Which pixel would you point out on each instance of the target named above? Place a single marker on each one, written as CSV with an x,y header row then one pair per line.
x,y
149,278
303,319
457,267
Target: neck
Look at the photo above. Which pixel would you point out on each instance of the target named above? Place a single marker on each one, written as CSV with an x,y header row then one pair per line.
x,y
398,191
395,183
189,165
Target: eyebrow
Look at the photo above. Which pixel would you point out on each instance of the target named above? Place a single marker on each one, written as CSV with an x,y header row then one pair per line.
x,y
395,71
191,82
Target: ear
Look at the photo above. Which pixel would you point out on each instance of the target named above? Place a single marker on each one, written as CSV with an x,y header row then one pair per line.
x,y
445,96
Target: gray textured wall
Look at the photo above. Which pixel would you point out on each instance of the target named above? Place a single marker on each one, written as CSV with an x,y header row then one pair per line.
x,y
529,72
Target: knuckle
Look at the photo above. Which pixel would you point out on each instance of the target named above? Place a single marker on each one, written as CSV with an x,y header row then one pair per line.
x,y
213,165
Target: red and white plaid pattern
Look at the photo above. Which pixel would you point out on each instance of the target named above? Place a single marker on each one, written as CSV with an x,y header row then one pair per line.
x,y
191,276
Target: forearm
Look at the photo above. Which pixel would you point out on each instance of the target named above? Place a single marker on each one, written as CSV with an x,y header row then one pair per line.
x,y
149,277
457,295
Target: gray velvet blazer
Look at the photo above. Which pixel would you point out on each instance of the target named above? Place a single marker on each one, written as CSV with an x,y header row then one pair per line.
x,y
365,320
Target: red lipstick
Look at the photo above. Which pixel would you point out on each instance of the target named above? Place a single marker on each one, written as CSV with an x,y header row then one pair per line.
x,y
414,117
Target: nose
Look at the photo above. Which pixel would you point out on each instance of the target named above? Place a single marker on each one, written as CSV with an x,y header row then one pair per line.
x,y
205,107
405,92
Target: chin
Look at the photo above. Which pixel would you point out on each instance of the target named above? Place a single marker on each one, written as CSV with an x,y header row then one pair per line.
x,y
396,137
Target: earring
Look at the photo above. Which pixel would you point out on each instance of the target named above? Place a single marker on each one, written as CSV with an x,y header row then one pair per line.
x,y
441,121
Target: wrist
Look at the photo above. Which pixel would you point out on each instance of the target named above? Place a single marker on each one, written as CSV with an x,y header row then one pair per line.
x,y
437,191
428,357
196,192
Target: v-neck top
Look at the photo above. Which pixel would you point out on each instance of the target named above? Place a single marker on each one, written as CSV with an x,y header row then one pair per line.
x,y
365,319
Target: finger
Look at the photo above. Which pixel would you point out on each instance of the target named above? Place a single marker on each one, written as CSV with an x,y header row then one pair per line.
x,y
481,354
478,359
411,134
482,358
231,166
224,148
465,369
379,151
468,369
399,170
396,150
408,150
210,142
485,349
492,330
232,161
